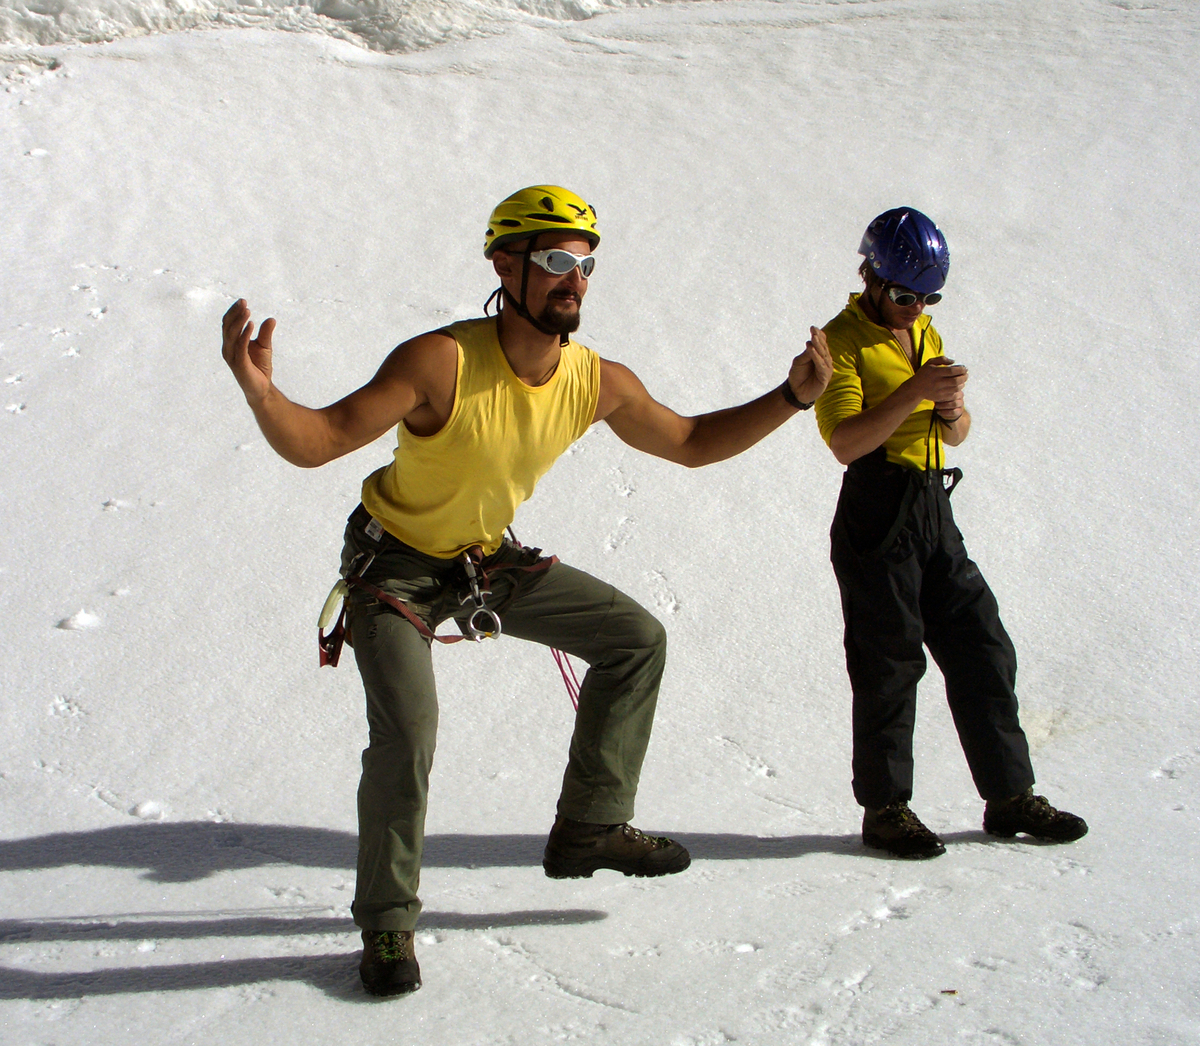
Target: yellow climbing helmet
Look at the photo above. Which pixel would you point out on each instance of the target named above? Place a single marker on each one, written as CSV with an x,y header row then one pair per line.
x,y
540,208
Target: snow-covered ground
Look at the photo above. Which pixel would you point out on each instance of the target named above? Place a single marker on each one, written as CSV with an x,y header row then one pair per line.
x,y
177,777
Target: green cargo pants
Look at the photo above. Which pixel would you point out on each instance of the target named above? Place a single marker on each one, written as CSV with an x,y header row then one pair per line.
x,y
622,643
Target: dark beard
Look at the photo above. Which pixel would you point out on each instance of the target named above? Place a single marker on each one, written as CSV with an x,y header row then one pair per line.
x,y
557,320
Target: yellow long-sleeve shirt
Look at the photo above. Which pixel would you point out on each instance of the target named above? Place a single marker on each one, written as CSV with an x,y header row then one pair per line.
x,y
869,364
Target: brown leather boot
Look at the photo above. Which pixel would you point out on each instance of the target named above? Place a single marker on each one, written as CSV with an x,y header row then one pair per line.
x,y
575,849
1033,815
389,965
899,831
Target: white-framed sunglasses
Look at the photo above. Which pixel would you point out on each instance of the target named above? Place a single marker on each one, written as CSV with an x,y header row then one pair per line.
x,y
903,297
559,263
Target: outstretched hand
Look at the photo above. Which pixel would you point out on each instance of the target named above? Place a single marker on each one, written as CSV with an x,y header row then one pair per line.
x,y
249,358
812,369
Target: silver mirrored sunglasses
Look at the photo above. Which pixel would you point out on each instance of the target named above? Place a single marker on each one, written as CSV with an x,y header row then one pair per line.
x,y
903,297
559,263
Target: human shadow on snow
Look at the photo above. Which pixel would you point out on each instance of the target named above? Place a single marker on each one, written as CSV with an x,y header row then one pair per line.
x,y
334,973
189,850
141,928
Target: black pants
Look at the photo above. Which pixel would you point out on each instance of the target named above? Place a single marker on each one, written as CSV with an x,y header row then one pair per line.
x,y
907,582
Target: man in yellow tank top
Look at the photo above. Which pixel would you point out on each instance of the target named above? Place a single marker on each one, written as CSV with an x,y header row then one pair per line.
x,y
481,411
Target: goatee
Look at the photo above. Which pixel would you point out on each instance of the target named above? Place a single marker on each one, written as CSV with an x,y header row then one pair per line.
x,y
559,318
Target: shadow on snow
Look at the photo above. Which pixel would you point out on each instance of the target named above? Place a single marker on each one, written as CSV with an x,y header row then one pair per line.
x,y
191,850
335,973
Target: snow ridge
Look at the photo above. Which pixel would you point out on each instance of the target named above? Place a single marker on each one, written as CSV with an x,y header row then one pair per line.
x,y
392,26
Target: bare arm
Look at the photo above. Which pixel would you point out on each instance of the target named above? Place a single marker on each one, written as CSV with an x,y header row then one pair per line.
x,y
411,379
938,380
645,424
954,434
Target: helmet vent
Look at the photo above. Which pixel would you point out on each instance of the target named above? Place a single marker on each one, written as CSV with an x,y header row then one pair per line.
x,y
546,202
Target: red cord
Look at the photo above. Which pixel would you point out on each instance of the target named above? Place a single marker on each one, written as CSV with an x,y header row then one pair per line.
x,y
569,678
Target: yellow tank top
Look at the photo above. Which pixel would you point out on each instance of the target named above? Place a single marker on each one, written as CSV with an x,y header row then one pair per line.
x,y
461,486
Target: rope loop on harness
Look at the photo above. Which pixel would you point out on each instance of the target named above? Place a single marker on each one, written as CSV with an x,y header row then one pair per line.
x,y
483,622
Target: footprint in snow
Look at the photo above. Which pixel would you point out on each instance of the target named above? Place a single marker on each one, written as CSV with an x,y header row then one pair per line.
x,y
65,708
619,535
664,595
622,486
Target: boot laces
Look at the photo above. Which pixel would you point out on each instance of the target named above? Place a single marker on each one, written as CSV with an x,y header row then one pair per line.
x,y
1036,807
909,821
636,835
390,946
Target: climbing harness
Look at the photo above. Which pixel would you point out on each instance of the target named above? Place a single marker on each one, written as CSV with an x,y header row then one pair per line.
x,y
482,623
330,646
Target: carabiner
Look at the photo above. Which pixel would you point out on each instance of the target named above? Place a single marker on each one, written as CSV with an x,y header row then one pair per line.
x,y
483,614
486,616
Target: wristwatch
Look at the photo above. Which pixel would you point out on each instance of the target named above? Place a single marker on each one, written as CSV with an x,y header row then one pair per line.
x,y
790,396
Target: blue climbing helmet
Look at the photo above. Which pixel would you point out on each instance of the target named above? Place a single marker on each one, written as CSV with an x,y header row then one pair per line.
x,y
904,246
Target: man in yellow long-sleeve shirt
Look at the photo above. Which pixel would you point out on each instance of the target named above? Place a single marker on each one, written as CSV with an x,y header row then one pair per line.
x,y
894,402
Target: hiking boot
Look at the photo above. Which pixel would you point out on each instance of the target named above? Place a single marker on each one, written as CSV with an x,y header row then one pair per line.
x,y
900,832
575,849
1033,815
389,966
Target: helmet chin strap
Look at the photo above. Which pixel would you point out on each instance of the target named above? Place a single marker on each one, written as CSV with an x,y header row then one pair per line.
x,y
519,307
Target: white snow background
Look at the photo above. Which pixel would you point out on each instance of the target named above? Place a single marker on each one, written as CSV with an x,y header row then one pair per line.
x,y
177,777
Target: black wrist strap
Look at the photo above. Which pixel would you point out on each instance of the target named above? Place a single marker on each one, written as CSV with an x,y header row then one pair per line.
x,y
790,397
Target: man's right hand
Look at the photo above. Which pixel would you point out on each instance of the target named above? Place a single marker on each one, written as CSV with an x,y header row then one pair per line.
x,y
249,358
940,380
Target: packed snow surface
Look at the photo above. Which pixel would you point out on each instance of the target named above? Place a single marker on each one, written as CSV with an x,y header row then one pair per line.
x,y
177,777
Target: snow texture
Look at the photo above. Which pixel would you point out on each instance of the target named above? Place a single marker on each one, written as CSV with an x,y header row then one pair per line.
x,y
177,777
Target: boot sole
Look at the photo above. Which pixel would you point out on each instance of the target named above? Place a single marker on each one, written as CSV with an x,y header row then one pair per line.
x,y
390,991
1007,833
877,843
584,869
380,982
